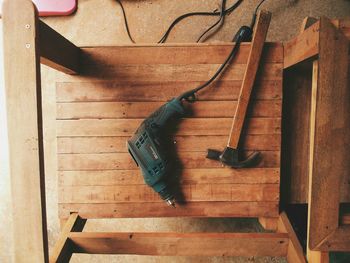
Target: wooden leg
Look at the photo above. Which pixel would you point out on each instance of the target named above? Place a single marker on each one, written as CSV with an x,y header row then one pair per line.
x,y
269,223
295,251
24,115
63,248
317,256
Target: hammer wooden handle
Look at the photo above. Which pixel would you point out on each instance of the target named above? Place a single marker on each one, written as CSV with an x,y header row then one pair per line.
x,y
257,44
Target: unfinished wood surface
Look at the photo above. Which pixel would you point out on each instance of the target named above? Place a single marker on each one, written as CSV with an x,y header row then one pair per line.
x,y
98,110
119,90
268,223
295,252
317,256
329,140
116,144
63,249
174,244
297,89
189,126
303,46
257,44
339,240
126,110
23,98
56,51
188,176
158,209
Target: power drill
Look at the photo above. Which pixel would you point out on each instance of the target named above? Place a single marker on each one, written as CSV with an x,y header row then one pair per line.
x,y
147,146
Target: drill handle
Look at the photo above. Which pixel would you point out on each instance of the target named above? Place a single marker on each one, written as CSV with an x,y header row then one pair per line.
x,y
159,118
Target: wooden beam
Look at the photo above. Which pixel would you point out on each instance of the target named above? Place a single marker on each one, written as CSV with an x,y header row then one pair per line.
x,y
56,51
62,251
295,252
184,244
317,256
339,240
302,47
329,129
23,99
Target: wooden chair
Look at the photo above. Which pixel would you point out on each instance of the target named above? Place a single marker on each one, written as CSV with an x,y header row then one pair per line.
x,y
101,99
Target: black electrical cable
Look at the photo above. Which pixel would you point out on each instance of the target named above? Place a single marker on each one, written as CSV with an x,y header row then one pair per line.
x,y
219,22
215,13
239,37
125,21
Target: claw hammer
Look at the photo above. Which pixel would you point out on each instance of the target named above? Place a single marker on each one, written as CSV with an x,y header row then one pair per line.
x,y
230,155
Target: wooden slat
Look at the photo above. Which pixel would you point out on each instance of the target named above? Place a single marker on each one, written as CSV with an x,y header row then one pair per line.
x,y
124,110
184,244
330,126
56,51
302,47
188,176
267,142
63,249
23,99
136,90
186,193
194,126
167,72
159,209
171,54
123,161
295,252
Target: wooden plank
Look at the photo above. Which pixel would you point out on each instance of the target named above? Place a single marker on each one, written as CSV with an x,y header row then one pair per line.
x,y
125,110
330,126
136,90
188,176
56,51
317,257
302,47
63,249
184,54
257,44
23,98
184,244
192,126
267,142
339,240
123,161
186,193
159,209
296,133
295,252
166,72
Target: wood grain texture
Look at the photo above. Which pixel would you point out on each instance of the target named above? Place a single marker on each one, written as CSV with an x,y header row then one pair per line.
x,y
188,176
330,126
257,44
115,144
23,99
158,209
155,90
120,86
185,244
302,47
56,51
190,126
123,161
126,110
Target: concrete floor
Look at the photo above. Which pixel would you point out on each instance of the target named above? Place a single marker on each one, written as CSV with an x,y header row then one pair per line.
x,y
100,23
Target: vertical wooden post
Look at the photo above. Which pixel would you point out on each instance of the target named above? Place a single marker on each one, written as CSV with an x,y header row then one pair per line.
x,y
23,98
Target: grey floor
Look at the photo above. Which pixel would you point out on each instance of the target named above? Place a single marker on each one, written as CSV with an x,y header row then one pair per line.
x,y
100,23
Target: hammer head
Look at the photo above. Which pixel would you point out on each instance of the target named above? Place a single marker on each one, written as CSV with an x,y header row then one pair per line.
x,y
230,157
